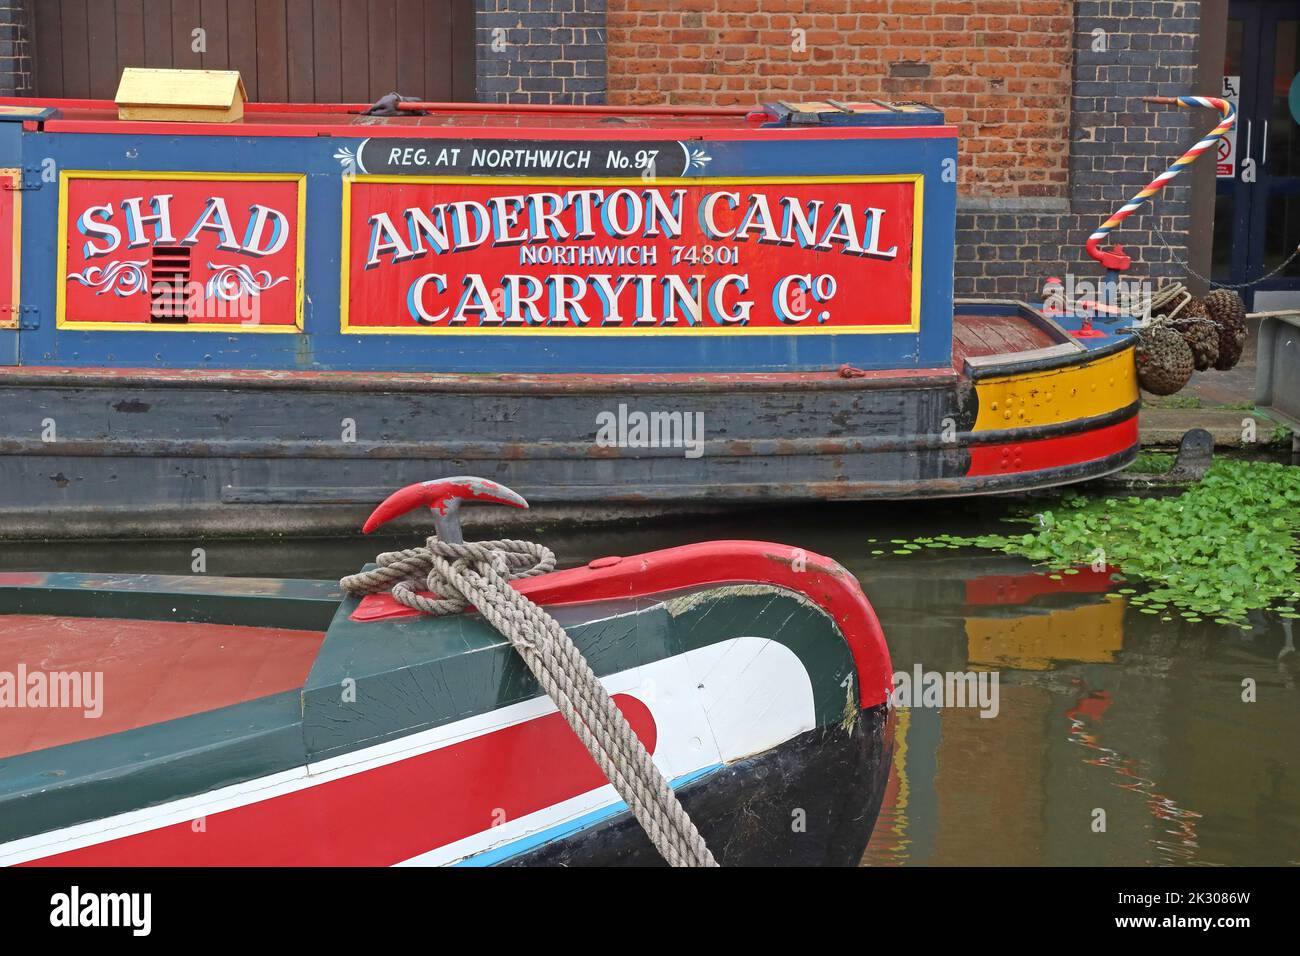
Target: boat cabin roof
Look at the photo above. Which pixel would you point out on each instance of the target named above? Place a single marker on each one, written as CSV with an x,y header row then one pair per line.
x,y
440,119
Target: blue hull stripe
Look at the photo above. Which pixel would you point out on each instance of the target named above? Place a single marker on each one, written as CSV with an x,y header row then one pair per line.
x,y
569,827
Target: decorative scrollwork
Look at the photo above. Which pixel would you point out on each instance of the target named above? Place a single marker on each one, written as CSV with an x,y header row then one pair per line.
x,y
120,278
231,282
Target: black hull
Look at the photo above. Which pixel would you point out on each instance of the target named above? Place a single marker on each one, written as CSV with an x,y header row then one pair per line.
x,y
748,811
155,454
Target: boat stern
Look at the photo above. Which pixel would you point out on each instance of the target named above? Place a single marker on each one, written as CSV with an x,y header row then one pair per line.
x,y
1061,410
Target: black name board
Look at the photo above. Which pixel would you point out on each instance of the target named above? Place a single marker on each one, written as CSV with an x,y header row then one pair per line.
x,y
393,156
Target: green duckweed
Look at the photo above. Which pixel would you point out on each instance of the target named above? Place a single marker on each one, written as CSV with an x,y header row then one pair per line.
x,y
1224,547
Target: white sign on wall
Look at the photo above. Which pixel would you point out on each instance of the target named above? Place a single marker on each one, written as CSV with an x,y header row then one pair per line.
x,y
1225,166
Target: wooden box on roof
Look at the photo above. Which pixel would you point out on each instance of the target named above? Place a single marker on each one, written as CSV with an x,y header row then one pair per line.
x,y
203,96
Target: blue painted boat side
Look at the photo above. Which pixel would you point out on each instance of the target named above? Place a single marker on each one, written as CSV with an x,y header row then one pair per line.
x,y
323,346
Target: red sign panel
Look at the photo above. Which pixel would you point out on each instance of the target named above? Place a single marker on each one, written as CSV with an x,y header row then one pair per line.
x,y
188,252
682,256
11,181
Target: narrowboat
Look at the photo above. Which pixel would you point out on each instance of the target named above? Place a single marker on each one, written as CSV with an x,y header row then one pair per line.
x,y
166,721
225,320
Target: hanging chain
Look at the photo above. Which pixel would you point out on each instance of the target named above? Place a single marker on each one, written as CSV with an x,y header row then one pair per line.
x,y
1206,279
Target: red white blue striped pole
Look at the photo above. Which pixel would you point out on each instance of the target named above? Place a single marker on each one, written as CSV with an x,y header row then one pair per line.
x,y
1116,259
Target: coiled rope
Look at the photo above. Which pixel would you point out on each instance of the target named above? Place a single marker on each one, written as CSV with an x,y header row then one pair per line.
x,y
478,574
1168,294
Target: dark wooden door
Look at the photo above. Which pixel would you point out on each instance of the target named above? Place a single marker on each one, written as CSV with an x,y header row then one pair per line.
x,y
1257,216
301,51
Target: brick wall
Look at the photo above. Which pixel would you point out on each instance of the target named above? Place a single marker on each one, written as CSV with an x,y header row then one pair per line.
x,y
999,69
1123,50
15,49
540,51
1053,135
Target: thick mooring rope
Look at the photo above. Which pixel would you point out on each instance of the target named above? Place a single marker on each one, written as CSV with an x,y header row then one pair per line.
x,y
478,574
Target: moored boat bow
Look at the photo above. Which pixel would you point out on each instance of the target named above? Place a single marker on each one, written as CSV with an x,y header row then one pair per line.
x,y
278,722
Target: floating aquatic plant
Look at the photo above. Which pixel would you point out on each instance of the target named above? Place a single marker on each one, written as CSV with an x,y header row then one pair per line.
x,y
1152,463
1224,547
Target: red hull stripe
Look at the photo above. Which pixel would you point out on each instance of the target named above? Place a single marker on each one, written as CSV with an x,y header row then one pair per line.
x,y
818,578
1044,453
387,814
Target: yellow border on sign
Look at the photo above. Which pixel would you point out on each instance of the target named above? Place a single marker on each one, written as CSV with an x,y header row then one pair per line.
x,y
61,321
13,319
918,208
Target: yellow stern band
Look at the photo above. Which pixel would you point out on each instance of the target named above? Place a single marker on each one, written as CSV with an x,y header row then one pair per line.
x,y
1058,395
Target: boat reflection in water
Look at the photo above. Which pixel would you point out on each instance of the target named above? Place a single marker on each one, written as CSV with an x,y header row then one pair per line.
x,y
1114,740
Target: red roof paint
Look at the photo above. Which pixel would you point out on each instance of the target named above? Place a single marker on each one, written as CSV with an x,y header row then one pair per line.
x,y
152,671
345,119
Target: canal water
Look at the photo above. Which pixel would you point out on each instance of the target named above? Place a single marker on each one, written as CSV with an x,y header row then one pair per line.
x,y
1118,738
